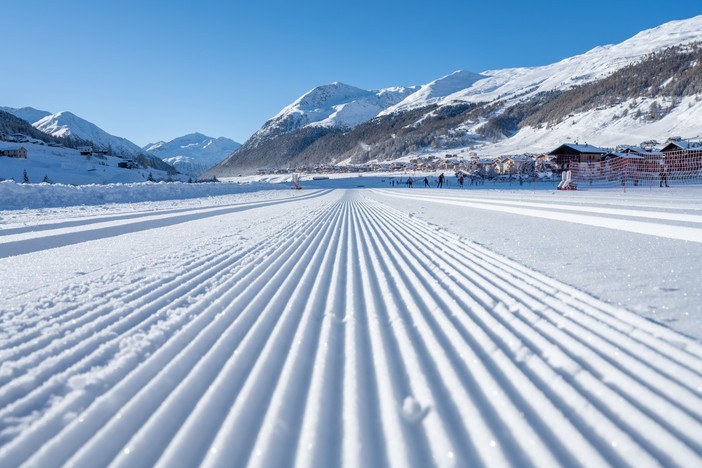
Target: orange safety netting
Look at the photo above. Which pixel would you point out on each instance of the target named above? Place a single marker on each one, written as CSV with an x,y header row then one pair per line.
x,y
640,169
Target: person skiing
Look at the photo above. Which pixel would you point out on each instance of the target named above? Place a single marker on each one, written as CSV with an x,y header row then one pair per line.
x,y
664,176
440,183
426,182
460,181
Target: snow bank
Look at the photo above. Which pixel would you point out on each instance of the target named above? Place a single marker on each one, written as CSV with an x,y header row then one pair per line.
x,y
14,196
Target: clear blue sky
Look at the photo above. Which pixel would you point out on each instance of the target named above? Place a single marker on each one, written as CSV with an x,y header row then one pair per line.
x,y
151,70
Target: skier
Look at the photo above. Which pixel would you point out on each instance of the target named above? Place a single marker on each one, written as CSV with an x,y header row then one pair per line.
x,y
664,176
426,182
440,183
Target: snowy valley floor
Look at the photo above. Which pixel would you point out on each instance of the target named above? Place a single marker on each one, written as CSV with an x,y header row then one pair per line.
x,y
355,327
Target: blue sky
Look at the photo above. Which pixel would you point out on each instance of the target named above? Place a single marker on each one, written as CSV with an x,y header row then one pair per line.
x,y
151,70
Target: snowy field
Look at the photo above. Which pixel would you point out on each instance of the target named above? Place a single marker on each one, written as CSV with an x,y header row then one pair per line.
x,y
350,323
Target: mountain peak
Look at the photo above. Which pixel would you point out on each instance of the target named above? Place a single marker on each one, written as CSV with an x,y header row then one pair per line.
x,y
28,114
193,153
437,90
333,105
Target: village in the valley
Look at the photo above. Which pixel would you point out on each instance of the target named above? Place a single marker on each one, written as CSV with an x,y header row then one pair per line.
x,y
677,159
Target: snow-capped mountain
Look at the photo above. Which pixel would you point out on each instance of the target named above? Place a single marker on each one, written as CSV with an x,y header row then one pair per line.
x,y
645,88
194,153
335,105
65,124
80,131
58,164
511,84
437,90
28,114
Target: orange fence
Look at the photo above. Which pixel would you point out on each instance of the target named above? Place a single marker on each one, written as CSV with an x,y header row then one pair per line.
x,y
640,169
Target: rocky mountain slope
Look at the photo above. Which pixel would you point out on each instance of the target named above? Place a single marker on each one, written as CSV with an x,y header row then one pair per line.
x,y
336,105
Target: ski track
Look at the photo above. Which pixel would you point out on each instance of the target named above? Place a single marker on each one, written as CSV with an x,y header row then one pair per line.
x,y
680,226
360,336
60,235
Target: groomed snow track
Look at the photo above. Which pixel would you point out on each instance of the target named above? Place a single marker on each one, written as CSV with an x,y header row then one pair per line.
x,y
354,335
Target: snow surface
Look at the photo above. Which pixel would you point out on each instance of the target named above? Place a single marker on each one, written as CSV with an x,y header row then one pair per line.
x,y
342,325
67,166
608,128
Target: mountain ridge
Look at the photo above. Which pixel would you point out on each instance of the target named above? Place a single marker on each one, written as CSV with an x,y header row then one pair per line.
x,y
469,114
67,126
194,153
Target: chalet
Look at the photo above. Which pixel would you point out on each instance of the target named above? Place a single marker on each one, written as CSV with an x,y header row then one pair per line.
x,y
681,145
573,152
638,150
18,138
85,150
683,158
498,165
514,164
486,166
128,164
20,152
544,165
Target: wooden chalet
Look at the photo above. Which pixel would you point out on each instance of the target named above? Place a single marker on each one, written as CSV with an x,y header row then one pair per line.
x,y
683,157
573,152
681,145
20,152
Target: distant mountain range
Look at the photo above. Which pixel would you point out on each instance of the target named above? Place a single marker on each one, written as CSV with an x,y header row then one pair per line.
x,y
648,87
191,154
67,124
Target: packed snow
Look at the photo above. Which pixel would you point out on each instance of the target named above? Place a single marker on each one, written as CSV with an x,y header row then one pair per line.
x,y
355,322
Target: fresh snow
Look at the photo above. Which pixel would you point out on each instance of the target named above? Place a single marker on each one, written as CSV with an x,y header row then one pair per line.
x,y
194,153
436,91
342,325
608,128
63,124
67,166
